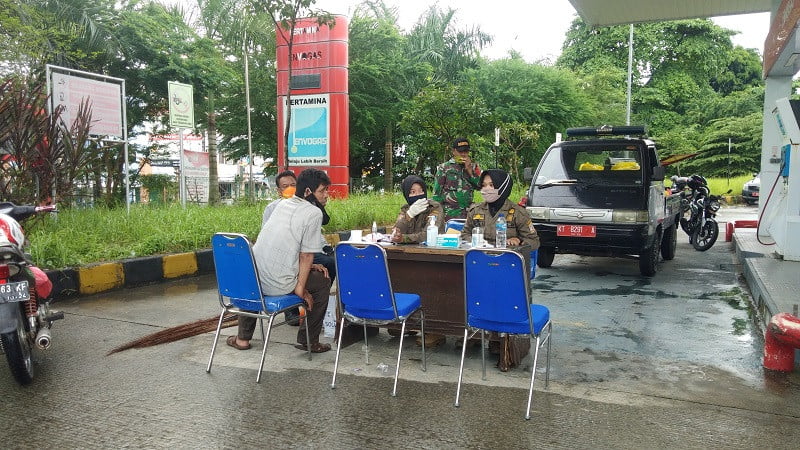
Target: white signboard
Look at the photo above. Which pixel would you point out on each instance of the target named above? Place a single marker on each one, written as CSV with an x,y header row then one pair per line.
x,y
105,100
181,105
195,166
309,132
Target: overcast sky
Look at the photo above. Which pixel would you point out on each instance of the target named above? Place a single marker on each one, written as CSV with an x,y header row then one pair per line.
x,y
536,35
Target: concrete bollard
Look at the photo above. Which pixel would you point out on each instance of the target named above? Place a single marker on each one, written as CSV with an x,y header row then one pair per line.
x,y
781,339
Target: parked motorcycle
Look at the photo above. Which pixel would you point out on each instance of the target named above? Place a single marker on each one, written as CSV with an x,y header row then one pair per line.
x,y
25,315
701,225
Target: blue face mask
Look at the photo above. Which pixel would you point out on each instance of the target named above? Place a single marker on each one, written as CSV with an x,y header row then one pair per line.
x,y
413,199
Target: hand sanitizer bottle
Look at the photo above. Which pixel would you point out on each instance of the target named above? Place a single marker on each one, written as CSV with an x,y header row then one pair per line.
x,y
432,232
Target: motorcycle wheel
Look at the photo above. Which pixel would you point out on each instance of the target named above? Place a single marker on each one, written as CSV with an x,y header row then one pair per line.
x,y
669,243
705,237
18,352
685,226
546,256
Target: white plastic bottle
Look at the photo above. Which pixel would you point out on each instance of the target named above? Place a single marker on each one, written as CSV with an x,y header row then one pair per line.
x,y
432,232
374,231
477,235
500,228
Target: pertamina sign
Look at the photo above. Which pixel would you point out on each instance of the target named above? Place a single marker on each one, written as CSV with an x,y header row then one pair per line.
x,y
309,131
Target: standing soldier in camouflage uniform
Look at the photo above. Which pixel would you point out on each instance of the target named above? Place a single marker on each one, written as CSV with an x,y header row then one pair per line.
x,y
456,180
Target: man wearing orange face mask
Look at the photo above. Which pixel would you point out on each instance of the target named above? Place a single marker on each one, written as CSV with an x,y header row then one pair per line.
x,y
286,185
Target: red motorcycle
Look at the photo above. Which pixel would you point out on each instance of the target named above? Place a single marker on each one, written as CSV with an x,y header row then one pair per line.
x,y
25,315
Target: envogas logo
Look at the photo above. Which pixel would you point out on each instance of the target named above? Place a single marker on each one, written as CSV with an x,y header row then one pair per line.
x,y
307,56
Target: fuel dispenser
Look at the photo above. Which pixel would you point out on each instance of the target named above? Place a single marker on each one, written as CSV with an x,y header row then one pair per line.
x,y
787,116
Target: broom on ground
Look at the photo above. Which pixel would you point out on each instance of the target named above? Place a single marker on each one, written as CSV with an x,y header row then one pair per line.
x,y
179,332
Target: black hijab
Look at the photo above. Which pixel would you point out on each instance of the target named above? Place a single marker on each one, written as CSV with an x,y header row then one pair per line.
x,y
503,183
409,181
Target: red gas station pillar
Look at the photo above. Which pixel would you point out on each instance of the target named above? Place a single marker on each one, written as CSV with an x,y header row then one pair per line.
x,y
319,133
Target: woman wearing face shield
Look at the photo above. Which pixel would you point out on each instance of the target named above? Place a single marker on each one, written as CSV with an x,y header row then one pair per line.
x,y
495,188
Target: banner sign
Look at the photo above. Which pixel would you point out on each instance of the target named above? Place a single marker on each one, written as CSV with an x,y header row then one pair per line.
x,y
181,105
105,100
309,130
195,166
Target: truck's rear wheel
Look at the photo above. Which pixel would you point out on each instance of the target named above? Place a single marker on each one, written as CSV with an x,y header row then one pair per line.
x,y
546,256
648,259
669,243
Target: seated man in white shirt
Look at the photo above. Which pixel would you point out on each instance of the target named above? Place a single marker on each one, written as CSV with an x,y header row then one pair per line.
x,y
286,185
284,252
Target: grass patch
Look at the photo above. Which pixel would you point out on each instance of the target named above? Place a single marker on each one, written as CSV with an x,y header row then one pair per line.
x,y
78,237
719,186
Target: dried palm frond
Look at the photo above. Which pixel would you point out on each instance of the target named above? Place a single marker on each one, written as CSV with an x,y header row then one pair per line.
x,y
179,332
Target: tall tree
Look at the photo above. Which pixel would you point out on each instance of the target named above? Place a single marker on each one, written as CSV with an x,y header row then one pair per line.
x,y
436,40
285,15
548,97
438,115
161,47
70,33
380,76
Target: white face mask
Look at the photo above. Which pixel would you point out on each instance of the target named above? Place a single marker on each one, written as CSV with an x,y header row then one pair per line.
x,y
490,195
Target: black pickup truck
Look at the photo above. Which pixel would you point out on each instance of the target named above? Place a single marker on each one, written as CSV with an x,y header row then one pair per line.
x,y
601,193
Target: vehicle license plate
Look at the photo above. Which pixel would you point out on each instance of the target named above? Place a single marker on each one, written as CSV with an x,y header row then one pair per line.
x,y
576,230
14,292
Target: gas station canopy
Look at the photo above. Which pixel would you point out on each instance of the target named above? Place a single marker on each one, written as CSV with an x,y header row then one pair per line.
x,y
619,12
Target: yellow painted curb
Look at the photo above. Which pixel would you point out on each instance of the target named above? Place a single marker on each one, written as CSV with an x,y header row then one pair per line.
x,y
99,278
180,264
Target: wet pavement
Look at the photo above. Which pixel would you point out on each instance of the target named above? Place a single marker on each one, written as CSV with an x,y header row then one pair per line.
x,y
672,361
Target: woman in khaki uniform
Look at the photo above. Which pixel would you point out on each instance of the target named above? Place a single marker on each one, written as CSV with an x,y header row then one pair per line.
x,y
410,228
495,188
412,222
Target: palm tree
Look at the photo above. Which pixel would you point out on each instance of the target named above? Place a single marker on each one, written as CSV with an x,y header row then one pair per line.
x,y
450,51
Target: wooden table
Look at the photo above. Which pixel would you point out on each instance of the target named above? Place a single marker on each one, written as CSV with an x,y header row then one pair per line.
x,y
436,274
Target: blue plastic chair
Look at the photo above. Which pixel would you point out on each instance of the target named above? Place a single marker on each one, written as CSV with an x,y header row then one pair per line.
x,y
503,310
534,259
239,290
366,297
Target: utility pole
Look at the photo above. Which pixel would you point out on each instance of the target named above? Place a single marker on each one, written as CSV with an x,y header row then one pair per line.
x,y
252,183
630,76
